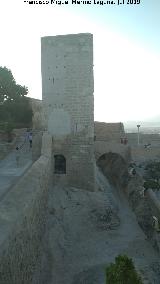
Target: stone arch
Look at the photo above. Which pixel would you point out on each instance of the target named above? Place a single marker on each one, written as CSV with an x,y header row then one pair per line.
x,y
110,156
114,167
102,147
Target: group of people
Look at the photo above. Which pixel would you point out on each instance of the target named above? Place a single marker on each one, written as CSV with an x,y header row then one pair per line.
x,y
124,141
27,138
147,146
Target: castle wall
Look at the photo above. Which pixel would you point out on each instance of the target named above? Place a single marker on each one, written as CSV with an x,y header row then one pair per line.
x,y
154,139
36,106
37,144
22,222
108,132
68,107
142,155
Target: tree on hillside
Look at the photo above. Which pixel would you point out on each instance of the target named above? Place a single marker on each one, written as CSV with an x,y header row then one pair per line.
x,y
9,90
14,105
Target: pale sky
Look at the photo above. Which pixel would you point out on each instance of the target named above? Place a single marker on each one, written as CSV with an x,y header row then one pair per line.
x,y
126,51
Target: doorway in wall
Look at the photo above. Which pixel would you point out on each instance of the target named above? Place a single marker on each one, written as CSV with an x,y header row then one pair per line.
x,y
59,164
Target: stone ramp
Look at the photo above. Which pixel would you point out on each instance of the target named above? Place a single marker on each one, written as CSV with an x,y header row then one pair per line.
x,y
9,170
87,230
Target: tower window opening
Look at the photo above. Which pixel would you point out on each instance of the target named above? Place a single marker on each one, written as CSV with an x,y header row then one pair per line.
x,y
59,164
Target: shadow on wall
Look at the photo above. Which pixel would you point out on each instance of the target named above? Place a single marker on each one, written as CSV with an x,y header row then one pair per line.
x,y
115,168
36,145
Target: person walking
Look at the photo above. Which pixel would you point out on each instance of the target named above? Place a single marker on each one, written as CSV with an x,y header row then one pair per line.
x,y
30,139
17,156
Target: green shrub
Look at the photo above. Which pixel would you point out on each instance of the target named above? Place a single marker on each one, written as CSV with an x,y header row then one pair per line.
x,y
151,184
14,105
122,272
153,170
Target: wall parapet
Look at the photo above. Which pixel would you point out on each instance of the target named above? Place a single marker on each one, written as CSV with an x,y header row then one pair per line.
x,y
22,224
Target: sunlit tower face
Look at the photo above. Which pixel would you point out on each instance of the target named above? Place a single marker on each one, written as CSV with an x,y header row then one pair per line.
x,y
68,106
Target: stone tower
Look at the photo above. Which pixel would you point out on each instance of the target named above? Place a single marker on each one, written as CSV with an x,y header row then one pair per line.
x,y
68,106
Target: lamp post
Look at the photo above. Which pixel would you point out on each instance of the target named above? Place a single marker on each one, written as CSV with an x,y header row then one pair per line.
x,y
138,126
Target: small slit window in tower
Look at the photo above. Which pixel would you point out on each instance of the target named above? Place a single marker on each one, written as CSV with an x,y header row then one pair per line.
x,y
59,164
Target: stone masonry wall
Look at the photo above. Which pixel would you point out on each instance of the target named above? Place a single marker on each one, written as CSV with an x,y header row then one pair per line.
x,y
68,105
108,131
79,163
37,144
5,147
144,207
36,106
143,155
22,222
67,83
154,139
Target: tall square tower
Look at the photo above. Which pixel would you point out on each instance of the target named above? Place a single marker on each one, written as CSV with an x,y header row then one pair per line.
x,y
68,106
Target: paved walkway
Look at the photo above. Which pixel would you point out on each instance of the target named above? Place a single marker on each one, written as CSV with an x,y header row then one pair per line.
x,y
10,171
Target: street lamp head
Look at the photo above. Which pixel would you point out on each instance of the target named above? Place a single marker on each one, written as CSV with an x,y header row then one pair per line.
x,y
138,125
